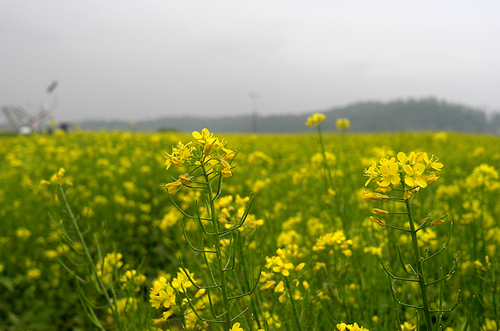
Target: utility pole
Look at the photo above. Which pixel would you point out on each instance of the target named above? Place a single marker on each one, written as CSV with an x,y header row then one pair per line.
x,y
254,96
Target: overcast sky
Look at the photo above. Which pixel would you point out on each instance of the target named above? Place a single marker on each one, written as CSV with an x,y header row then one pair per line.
x,y
134,60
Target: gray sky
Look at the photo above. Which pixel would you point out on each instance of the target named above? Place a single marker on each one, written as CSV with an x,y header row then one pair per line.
x,y
145,59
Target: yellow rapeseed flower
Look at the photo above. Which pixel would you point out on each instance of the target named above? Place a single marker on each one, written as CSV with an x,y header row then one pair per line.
x,y
173,187
413,176
182,281
184,179
407,326
34,273
179,155
203,137
389,172
350,327
268,285
165,297
23,233
378,211
343,124
315,120
372,172
280,287
370,196
300,266
432,162
283,267
57,177
236,327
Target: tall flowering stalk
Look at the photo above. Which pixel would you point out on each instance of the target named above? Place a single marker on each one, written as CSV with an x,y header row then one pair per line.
x,y
400,180
315,121
331,182
104,284
210,163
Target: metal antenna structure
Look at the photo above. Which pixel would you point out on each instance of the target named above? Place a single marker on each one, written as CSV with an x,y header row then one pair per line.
x,y
21,120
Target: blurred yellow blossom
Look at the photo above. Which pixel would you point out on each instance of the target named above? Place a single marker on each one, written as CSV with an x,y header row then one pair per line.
x,y
407,326
343,124
315,120
23,233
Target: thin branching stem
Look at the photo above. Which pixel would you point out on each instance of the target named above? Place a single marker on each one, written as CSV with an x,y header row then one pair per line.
x,y
397,228
469,316
448,275
443,248
295,315
326,168
218,249
395,277
403,266
419,265
459,298
112,303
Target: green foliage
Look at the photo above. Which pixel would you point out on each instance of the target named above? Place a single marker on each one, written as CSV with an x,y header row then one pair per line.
x,y
327,237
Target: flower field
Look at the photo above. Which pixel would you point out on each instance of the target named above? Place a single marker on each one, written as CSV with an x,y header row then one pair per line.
x,y
249,232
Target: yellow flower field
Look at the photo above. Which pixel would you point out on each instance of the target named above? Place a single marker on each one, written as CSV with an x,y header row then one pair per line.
x,y
209,231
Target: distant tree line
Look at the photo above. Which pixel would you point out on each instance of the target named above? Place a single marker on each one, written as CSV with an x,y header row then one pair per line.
x,y
429,114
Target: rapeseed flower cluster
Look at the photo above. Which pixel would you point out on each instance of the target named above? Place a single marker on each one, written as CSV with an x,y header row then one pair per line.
x,y
56,179
172,296
231,209
416,169
126,305
131,280
315,120
412,172
408,175
474,202
343,124
107,268
207,151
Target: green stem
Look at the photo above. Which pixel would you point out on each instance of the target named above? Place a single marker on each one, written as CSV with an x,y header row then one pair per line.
x,y
255,309
110,302
330,184
325,163
295,315
494,292
220,266
419,266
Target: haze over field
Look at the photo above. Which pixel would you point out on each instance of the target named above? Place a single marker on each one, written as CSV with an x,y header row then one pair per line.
x,y
134,60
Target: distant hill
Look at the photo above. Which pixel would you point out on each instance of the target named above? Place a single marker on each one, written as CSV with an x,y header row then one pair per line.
x,y
413,115
429,114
